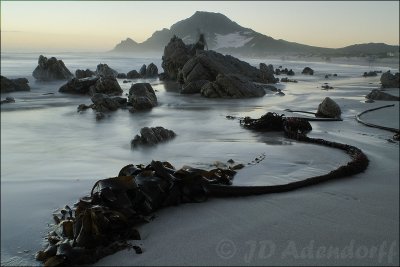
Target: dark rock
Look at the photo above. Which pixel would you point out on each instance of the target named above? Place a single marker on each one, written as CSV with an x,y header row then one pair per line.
x,y
83,107
326,76
308,71
142,70
152,136
152,70
369,101
121,76
334,75
133,74
326,87
370,74
78,86
12,85
280,93
106,85
163,76
176,54
104,70
7,100
277,72
291,73
231,86
104,103
376,94
389,80
328,109
126,81
193,87
267,73
142,96
287,80
80,74
51,69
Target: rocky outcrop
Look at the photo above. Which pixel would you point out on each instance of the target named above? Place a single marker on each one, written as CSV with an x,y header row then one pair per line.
x,y
104,70
193,87
176,54
106,85
328,109
142,96
152,136
80,74
121,76
376,94
151,70
105,103
231,86
389,80
133,74
267,73
308,71
13,85
142,70
78,86
51,69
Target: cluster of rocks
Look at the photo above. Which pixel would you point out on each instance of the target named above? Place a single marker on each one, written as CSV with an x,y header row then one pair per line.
x,y
280,71
389,80
308,71
287,80
51,69
14,85
329,75
209,73
328,109
80,74
326,86
377,94
152,136
7,100
149,71
371,73
92,85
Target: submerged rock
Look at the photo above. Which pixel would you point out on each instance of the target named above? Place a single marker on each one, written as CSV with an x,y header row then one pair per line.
x,y
51,69
231,86
308,71
106,85
328,109
8,100
80,74
104,70
142,96
105,103
370,74
389,80
13,85
78,86
376,94
152,136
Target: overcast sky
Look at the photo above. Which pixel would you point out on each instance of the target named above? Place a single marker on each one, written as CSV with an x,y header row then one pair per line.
x,y
99,26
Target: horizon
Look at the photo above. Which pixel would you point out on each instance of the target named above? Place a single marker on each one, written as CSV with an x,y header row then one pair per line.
x,y
73,29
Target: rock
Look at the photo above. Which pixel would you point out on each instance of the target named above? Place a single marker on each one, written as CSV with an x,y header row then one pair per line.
x,y
106,85
163,76
326,87
78,86
7,100
121,76
280,93
104,103
80,74
328,109
369,101
277,72
267,73
12,85
370,74
133,74
377,94
104,70
193,87
152,136
142,70
176,54
389,80
152,70
142,96
231,86
287,80
83,107
51,69
291,73
127,81
308,71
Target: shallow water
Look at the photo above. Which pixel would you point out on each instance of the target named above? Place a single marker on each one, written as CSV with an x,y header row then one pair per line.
x,y
51,154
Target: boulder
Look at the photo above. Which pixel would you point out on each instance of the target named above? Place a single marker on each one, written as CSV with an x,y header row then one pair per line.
x,y
152,70
291,73
105,103
376,94
267,73
106,85
79,74
389,80
12,85
142,96
142,70
7,100
121,76
176,54
328,109
152,136
193,87
308,71
370,74
51,69
231,86
78,86
104,70
133,74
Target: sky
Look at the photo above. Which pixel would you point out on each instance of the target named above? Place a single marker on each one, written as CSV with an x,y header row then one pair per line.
x,y
99,25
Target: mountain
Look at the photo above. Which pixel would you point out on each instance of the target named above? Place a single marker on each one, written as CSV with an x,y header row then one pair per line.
x,y
226,36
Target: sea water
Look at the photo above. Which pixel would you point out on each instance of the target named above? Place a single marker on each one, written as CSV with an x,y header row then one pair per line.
x,y
51,154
